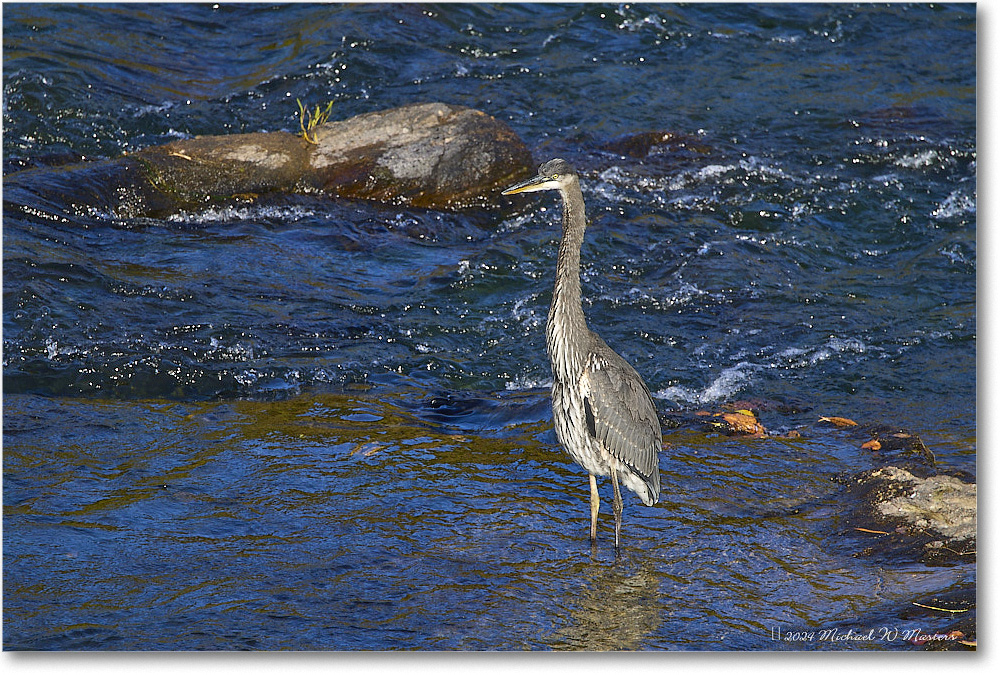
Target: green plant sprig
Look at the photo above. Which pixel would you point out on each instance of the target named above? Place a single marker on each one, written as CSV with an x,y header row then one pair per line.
x,y
310,119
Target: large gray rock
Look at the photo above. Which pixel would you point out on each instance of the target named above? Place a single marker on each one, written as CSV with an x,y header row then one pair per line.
x,y
428,155
941,503
912,513
431,155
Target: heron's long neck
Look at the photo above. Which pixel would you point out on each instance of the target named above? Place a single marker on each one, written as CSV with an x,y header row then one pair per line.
x,y
566,328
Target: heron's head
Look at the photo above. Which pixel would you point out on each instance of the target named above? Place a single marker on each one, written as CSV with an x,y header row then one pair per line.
x,y
556,174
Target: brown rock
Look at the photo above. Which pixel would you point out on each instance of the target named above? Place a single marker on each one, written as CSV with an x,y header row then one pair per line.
x,y
427,155
431,155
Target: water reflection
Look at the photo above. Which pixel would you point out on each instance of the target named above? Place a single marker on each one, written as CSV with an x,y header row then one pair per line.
x,y
349,521
614,607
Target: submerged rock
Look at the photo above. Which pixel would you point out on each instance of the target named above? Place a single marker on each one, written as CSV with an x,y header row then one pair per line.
x,y
895,444
958,635
941,504
429,155
904,510
642,144
932,518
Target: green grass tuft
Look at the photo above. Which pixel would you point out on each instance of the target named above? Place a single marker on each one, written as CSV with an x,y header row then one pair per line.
x,y
310,119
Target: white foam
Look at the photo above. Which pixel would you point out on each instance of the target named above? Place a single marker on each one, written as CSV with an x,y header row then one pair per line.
x,y
956,204
238,351
633,25
51,348
682,295
526,312
728,383
917,160
795,357
954,254
735,379
522,383
236,213
511,224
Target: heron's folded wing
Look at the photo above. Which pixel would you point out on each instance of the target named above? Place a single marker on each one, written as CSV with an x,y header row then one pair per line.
x,y
621,416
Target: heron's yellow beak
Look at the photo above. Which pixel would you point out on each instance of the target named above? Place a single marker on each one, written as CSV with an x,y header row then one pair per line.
x,y
531,185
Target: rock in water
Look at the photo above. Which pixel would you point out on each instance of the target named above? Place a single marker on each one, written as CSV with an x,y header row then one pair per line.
x,y
429,155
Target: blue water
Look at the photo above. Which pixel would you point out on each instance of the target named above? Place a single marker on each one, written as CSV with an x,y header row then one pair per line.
x,y
304,424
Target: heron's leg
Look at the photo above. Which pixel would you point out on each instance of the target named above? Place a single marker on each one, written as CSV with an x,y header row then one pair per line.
x,y
617,506
595,506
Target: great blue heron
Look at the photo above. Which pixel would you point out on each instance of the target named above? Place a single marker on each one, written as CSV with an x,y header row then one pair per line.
x,y
603,413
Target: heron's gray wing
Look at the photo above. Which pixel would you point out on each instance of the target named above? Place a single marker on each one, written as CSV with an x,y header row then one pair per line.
x,y
620,414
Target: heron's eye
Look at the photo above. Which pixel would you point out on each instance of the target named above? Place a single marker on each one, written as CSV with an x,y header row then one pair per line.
x,y
555,176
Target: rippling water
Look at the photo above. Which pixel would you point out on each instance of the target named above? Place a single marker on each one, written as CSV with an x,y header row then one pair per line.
x,y
313,425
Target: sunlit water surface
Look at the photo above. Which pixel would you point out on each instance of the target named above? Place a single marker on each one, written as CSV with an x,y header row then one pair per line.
x,y
313,425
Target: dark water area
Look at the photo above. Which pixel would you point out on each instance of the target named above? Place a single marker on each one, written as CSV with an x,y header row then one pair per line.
x,y
305,424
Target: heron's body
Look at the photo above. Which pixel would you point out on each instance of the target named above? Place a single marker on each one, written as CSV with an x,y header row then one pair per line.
x,y
603,414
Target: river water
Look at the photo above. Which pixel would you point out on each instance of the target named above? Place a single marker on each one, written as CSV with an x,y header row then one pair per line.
x,y
303,424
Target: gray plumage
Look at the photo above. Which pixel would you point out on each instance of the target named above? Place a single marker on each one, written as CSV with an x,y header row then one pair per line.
x,y
603,413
